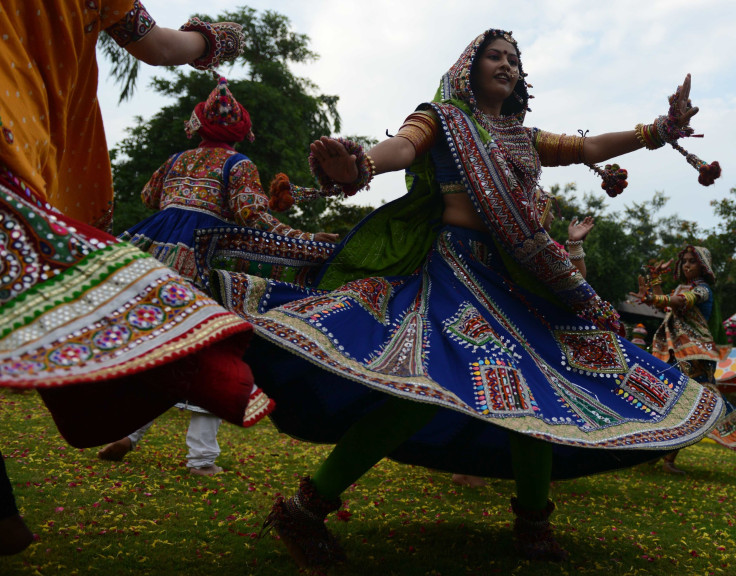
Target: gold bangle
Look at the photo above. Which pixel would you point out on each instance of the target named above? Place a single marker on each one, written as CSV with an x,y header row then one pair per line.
x,y
371,166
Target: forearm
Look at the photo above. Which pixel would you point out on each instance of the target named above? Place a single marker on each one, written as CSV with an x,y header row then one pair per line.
x,y
392,155
610,145
168,47
580,265
576,254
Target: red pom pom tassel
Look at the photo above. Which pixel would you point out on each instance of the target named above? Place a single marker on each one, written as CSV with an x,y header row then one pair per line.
x,y
709,173
280,193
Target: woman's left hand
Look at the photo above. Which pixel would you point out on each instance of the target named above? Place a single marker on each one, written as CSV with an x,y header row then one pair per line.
x,y
680,106
579,230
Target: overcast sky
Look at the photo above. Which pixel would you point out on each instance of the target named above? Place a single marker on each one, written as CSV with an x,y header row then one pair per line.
x,y
598,66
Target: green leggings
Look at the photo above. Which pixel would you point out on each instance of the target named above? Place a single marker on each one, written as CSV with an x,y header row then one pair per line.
x,y
382,431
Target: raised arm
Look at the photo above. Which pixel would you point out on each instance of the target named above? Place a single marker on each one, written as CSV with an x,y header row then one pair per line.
x,y
336,163
577,231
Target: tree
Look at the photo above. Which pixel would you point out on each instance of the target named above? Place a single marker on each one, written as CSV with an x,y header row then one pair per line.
x,y
288,113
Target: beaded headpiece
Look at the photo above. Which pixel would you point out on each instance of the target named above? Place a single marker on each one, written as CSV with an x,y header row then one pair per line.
x,y
221,117
456,83
702,255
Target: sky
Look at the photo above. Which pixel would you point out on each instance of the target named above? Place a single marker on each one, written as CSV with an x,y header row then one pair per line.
x,y
597,66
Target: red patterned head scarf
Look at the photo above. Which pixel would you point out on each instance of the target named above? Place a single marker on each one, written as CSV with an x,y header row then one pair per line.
x,y
702,255
220,118
456,84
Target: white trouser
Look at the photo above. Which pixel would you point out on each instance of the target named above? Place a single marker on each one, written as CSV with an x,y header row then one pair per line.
x,y
201,439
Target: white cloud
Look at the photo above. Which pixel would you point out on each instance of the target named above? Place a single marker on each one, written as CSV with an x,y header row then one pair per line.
x,y
594,65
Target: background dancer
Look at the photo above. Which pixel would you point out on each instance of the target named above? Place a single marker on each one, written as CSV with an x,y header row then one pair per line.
x,y
684,339
208,187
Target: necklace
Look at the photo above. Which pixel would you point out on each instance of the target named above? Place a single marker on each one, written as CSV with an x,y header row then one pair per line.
x,y
514,143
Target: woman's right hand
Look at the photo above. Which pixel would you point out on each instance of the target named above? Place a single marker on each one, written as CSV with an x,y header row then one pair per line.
x,y
660,268
641,295
335,160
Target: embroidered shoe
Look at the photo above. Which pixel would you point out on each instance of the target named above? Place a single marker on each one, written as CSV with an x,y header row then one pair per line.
x,y
300,522
533,536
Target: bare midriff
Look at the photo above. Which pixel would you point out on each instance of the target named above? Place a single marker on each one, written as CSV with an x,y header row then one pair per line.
x,y
459,211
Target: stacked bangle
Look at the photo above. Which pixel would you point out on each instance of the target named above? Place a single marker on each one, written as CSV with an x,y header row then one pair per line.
x,y
660,300
575,249
690,299
648,135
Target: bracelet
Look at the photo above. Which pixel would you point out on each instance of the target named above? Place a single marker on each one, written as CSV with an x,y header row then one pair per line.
x,y
648,136
575,249
225,41
690,299
366,171
661,300
656,281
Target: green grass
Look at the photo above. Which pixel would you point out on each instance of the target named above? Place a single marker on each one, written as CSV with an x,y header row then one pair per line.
x,y
148,515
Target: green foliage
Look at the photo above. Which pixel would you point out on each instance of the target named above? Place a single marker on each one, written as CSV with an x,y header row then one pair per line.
x,y
326,215
287,112
125,68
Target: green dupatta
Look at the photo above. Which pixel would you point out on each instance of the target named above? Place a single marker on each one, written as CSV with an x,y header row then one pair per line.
x,y
394,239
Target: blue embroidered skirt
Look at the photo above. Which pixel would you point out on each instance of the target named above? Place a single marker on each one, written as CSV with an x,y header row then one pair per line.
x,y
493,357
169,236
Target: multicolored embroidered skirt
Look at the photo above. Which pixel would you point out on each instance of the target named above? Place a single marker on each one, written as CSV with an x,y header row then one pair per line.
x,y
725,431
107,334
493,357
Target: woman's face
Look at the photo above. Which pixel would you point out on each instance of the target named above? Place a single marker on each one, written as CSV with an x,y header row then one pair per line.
x,y
548,219
691,268
495,73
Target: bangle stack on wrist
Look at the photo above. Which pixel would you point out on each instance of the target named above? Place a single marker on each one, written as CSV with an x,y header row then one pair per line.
x,y
225,42
575,249
669,129
648,135
660,300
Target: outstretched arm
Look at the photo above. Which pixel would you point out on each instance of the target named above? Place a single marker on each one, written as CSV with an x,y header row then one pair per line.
x,y
606,146
167,47
415,137
249,205
204,45
388,156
